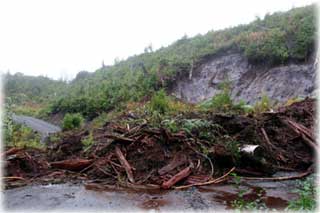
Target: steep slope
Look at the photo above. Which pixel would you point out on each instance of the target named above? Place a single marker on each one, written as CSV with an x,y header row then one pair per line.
x,y
248,82
250,55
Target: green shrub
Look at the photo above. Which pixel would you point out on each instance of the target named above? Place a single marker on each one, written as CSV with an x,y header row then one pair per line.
x,y
266,46
160,102
307,197
72,121
88,142
221,102
263,105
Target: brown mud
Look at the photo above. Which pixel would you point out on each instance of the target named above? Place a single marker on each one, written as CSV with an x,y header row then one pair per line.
x,y
142,157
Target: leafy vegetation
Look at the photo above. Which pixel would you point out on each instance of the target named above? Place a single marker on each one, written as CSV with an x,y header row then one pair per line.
x,y
307,197
72,121
240,203
277,38
263,105
159,102
18,135
88,142
222,102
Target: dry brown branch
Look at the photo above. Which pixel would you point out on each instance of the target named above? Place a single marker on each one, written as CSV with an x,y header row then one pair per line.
x,y
71,164
299,176
125,164
14,178
267,138
218,180
176,178
11,151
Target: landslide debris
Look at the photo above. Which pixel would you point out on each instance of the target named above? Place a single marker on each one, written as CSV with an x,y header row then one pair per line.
x,y
144,157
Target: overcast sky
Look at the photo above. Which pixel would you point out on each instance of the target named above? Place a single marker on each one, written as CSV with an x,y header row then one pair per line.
x,y
58,38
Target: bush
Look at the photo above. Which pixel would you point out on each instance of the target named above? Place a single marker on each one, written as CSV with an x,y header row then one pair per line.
x,y
72,121
263,105
160,102
307,197
221,102
266,46
87,142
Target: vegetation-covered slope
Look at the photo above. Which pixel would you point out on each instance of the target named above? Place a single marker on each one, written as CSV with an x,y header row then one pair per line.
x,y
278,38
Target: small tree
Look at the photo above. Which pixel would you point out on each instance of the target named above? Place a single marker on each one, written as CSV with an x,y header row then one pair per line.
x,y
159,102
72,121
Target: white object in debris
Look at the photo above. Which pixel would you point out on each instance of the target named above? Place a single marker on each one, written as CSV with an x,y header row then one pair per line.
x,y
249,148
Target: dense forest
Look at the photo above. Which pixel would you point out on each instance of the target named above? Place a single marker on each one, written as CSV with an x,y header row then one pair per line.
x,y
278,38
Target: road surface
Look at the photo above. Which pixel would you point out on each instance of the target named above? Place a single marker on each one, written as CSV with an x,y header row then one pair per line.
x,y
42,127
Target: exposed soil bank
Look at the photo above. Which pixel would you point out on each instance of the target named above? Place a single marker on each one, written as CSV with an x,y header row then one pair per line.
x,y
248,82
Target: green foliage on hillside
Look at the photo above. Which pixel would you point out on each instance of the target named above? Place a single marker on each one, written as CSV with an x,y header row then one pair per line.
x,y
159,102
72,121
22,88
276,39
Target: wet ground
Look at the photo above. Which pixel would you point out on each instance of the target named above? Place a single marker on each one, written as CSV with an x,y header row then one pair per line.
x,y
76,197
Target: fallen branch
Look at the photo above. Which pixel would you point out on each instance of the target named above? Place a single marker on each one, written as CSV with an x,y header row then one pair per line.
x,y
301,128
125,164
205,156
299,176
115,137
11,151
72,164
218,180
104,171
267,138
14,178
176,178
310,143
305,134
178,160
138,186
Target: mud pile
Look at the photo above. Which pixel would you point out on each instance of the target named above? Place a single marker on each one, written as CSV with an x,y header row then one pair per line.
x,y
140,156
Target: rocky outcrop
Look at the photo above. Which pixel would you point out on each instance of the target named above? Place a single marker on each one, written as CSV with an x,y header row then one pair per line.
x,y
248,82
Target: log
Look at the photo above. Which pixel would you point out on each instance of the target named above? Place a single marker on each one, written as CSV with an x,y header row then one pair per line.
x,y
248,172
218,180
115,137
178,160
176,178
305,134
125,164
11,151
72,164
301,128
310,143
267,138
14,178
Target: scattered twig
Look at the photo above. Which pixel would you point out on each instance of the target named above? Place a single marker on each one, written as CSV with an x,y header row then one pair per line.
x,y
218,180
267,138
299,176
205,156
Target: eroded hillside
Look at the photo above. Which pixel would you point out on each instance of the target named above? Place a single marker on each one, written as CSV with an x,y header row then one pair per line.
x,y
248,82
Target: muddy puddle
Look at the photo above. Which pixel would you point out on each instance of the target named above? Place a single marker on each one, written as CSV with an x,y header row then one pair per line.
x,y
275,195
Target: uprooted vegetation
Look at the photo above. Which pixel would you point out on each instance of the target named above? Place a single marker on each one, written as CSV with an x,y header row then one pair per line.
x,y
193,149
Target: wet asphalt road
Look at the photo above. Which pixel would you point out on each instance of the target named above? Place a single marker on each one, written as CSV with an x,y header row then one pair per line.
x,y
42,127
75,197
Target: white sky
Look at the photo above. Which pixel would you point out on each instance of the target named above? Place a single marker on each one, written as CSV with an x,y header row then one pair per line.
x,y
58,38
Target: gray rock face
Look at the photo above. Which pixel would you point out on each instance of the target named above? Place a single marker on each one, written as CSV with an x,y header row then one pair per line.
x,y
248,83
